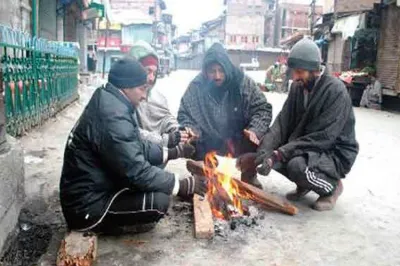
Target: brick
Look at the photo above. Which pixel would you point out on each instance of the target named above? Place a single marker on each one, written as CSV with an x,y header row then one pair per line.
x,y
77,249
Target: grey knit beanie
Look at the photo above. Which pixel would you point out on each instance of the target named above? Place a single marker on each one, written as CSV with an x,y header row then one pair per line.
x,y
305,55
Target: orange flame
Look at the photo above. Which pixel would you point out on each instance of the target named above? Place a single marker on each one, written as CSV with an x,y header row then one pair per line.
x,y
221,182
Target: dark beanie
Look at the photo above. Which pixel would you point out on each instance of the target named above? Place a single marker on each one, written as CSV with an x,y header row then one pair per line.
x,y
127,73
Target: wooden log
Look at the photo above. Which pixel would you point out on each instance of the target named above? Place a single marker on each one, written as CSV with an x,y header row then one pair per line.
x,y
77,249
262,197
257,195
220,200
203,220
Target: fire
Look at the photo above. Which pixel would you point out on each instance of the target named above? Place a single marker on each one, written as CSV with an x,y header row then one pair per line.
x,y
223,192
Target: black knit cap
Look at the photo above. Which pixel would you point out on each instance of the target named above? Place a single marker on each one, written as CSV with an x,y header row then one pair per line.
x,y
127,73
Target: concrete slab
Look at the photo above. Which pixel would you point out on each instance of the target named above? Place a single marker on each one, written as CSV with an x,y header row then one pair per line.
x,y
11,188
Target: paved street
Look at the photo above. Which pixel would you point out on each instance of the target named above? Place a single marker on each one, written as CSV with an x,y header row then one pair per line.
x,y
363,229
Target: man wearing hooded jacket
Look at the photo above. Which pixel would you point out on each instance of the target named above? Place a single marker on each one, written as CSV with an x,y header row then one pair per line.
x,y
312,141
226,109
108,181
156,123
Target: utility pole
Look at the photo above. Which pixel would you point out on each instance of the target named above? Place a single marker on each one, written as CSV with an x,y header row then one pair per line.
x,y
312,17
155,30
278,24
34,18
105,47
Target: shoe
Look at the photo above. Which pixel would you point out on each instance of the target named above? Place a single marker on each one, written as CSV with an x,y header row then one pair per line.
x,y
327,203
297,194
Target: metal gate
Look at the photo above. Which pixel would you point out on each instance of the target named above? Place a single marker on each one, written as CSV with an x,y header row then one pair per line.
x,y
39,78
388,62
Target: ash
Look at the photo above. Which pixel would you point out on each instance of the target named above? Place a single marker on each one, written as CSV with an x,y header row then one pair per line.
x,y
238,223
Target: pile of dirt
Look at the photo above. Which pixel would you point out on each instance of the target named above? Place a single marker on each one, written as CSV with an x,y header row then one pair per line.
x,y
38,223
28,246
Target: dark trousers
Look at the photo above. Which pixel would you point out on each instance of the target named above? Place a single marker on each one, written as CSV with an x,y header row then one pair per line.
x,y
134,208
297,170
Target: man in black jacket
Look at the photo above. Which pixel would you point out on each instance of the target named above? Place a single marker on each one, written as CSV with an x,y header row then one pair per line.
x,y
226,109
108,180
312,141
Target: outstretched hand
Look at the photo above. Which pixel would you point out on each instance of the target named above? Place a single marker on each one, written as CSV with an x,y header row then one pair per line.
x,y
252,136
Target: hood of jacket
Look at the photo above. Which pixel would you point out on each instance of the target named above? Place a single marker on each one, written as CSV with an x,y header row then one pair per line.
x,y
233,75
142,49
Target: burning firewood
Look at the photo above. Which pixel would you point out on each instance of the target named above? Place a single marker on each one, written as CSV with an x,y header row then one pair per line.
x,y
243,190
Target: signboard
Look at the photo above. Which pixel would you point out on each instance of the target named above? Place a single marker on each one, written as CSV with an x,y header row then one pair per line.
x,y
113,26
95,10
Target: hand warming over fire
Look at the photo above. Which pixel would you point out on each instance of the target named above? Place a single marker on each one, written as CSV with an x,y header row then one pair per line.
x,y
187,135
246,162
181,151
192,185
265,163
252,136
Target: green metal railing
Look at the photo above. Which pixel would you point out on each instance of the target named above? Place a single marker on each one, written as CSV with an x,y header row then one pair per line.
x,y
40,78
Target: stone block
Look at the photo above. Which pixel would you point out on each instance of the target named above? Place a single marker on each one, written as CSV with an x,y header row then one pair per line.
x,y
12,192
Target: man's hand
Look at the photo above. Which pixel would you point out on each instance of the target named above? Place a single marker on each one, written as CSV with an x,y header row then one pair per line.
x,y
186,150
252,136
246,162
192,185
174,138
265,163
181,151
187,135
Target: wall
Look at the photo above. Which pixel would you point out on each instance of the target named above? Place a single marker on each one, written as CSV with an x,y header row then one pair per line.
x,y
295,18
12,191
388,58
109,56
355,5
142,5
47,22
245,23
16,14
71,23
133,33
329,6
335,54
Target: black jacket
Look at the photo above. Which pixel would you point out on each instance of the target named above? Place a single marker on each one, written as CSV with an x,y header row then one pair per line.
x,y
220,114
319,124
104,155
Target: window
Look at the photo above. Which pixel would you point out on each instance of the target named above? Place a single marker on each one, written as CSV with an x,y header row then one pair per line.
x,y
233,39
245,39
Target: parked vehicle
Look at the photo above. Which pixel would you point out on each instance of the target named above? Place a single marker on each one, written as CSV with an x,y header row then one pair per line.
x,y
254,65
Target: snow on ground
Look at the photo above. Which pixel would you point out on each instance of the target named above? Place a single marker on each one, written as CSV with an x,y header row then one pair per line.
x,y
362,230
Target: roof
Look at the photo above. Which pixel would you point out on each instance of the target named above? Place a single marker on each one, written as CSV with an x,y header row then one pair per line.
x,y
263,49
292,39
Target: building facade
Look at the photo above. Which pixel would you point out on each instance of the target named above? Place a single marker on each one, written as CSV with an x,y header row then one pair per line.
x,y
245,23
